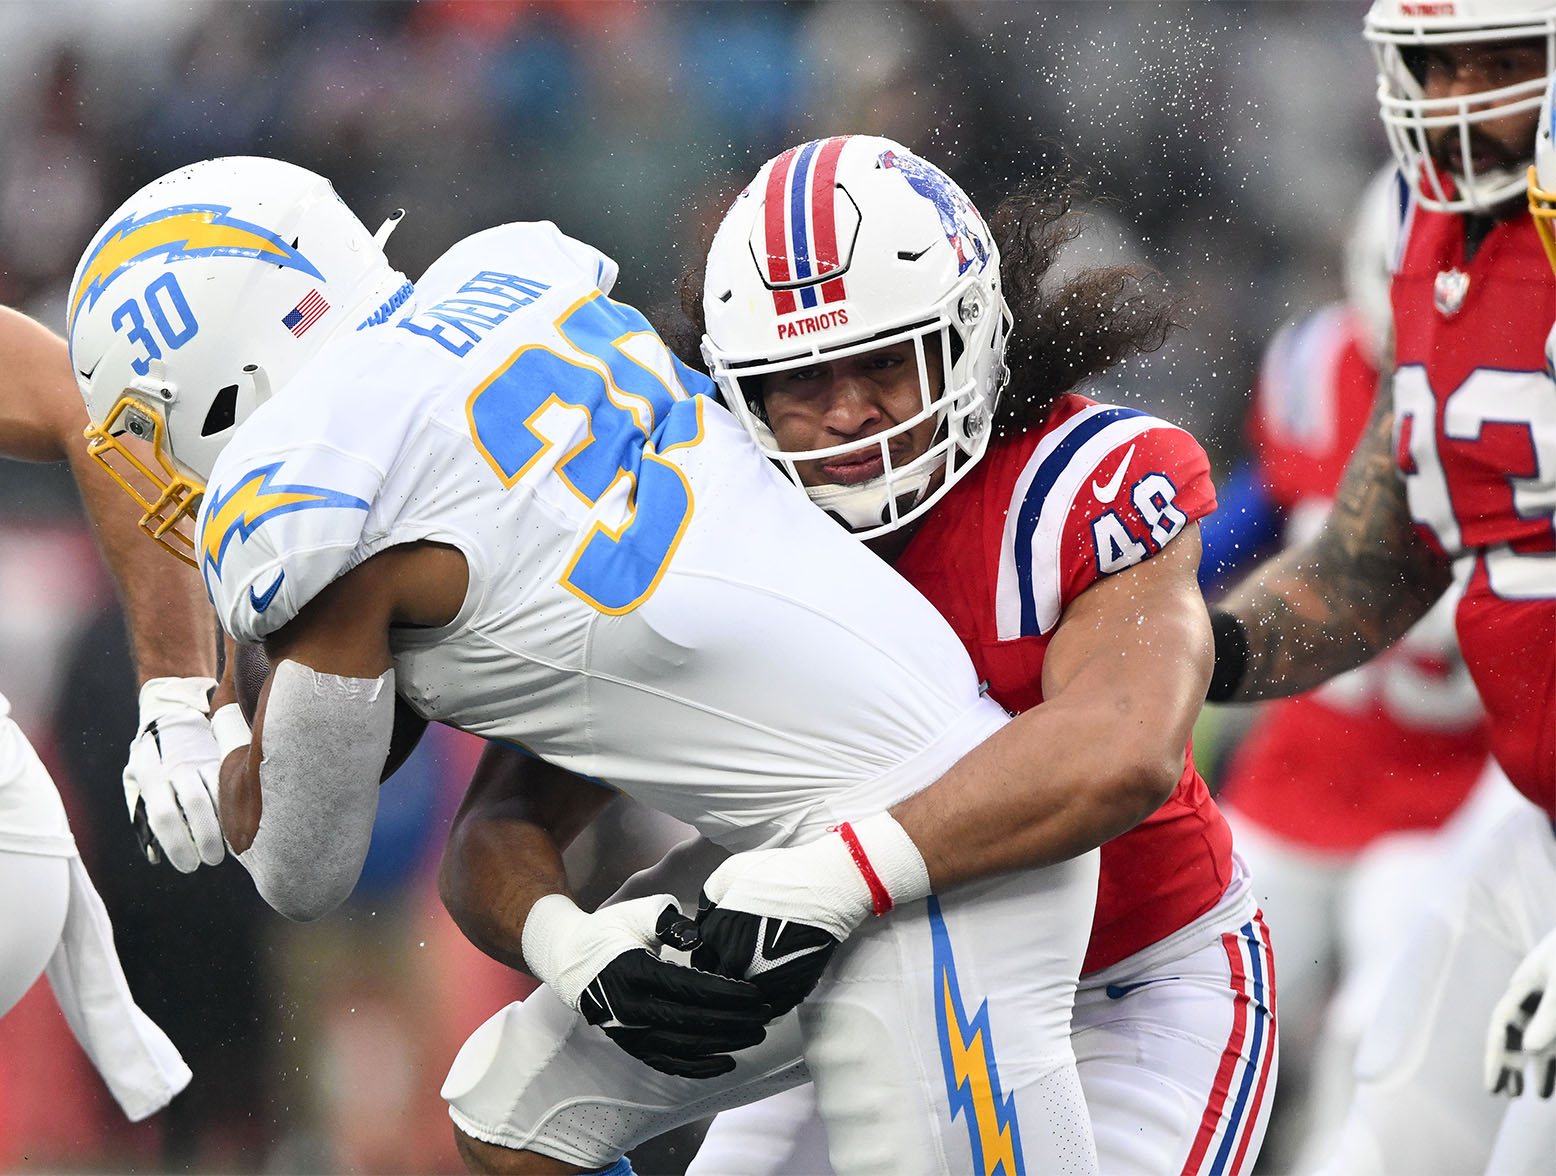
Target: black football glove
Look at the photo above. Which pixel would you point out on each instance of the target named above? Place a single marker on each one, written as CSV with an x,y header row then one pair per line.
x,y
674,1018
783,958
775,916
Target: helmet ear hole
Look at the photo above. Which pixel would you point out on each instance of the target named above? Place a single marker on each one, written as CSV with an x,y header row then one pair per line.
x,y
223,413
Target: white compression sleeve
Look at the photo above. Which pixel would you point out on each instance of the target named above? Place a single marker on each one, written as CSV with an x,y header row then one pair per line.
x,y
325,738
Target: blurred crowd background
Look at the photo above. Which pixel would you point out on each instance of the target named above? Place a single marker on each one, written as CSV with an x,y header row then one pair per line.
x,y
1225,145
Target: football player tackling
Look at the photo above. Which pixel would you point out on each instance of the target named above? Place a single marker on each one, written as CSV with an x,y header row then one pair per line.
x,y
1074,520
837,298
498,497
1454,480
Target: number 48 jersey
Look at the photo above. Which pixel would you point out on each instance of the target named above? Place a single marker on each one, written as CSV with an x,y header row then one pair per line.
x,y
1044,516
1475,434
650,602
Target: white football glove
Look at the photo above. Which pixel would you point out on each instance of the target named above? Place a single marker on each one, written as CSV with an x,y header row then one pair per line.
x,y
171,777
606,966
1523,1026
775,916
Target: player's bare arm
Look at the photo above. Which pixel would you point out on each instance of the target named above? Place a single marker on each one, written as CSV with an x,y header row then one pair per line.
x,y
42,417
1122,684
1123,679
504,849
170,777
1328,605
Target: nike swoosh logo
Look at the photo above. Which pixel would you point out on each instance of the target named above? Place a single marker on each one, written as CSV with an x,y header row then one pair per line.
x,y
1119,991
774,953
262,602
1109,491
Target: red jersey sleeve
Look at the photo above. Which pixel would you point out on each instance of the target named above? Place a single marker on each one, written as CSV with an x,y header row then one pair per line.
x,y
1106,488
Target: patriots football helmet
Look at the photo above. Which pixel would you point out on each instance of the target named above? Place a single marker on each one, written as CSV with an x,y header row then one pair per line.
x,y
1542,177
839,247
201,296
1400,31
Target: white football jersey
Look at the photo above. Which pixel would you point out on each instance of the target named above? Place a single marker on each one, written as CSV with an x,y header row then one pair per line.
x,y
650,602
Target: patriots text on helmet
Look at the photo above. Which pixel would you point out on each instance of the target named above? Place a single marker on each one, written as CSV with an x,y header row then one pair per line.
x,y
812,322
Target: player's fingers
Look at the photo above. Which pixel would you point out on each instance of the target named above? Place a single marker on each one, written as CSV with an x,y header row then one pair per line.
x,y
198,802
1548,1086
691,988
692,1019
1505,1035
1540,1032
674,1044
166,819
143,834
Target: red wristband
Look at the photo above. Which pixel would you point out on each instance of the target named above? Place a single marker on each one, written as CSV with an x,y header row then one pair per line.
x,y
880,897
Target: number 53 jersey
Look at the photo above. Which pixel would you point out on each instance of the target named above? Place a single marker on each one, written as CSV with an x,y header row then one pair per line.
x,y
650,603
1475,435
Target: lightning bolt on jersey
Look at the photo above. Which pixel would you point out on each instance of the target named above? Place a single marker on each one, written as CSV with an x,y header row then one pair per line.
x,y
1407,724
1095,491
1475,437
650,602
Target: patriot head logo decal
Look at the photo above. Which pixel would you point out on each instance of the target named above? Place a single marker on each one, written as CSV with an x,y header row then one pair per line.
x,y
184,230
958,219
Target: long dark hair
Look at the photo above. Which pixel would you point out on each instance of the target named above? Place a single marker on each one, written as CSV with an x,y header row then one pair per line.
x,y
1095,319
1062,337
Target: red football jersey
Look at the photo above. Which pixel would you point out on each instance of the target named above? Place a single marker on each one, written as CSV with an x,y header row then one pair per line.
x,y
1475,433
1397,743
1096,490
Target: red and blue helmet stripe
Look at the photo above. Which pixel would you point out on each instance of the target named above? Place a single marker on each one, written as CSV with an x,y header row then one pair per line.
x,y
801,226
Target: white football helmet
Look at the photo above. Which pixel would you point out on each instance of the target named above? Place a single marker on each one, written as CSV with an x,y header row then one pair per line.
x,y
841,246
200,297
1542,177
1395,28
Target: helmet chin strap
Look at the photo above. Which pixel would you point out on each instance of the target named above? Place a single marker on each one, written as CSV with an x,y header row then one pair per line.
x,y
867,504
1495,188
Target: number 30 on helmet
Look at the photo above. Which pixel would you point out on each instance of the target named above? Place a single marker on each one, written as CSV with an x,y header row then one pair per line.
x,y
199,298
841,246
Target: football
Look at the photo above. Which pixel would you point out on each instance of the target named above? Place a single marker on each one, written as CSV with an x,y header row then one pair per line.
x,y
250,668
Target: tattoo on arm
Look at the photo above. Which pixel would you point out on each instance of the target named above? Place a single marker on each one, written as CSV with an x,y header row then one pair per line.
x,y
1349,593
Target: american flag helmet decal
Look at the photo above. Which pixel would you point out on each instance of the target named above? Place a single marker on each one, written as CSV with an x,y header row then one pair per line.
x,y
307,312
801,227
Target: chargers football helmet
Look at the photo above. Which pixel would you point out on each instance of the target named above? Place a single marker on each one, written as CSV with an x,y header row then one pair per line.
x,y
1399,30
841,246
199,298
1542,177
